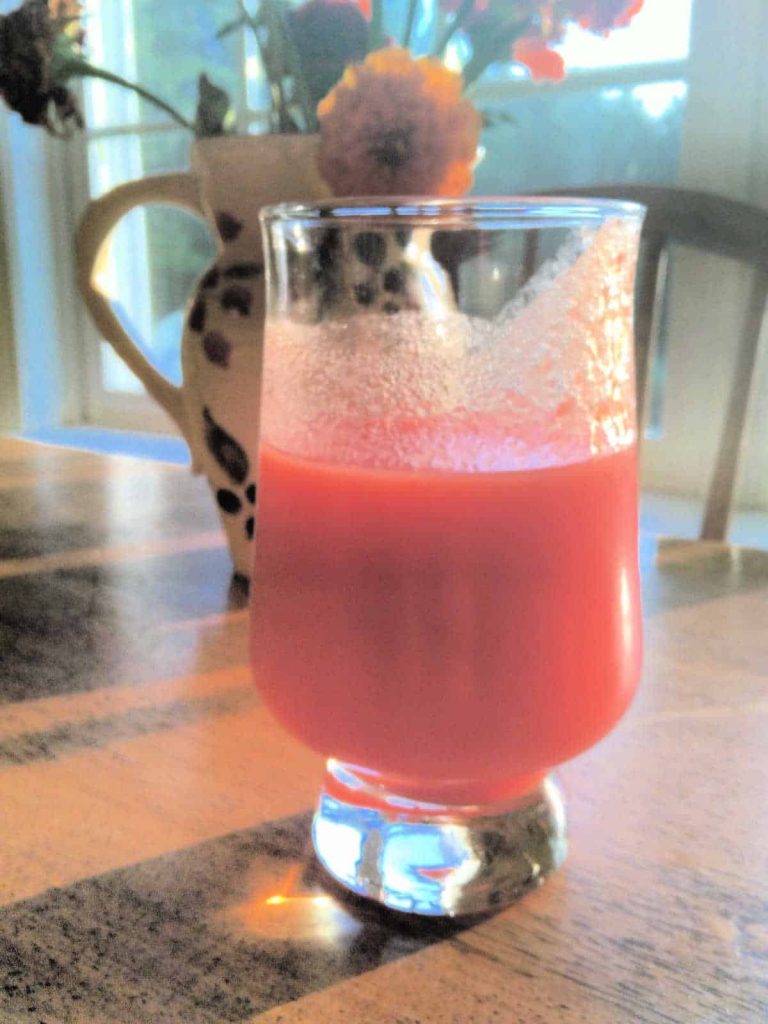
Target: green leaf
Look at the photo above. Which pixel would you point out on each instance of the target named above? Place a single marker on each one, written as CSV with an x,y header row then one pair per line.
x,y
213,108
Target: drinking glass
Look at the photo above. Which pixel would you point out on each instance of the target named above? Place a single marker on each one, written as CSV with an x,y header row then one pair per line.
x,y
445,593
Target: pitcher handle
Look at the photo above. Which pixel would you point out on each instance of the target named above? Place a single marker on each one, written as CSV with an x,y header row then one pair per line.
x,y
100,217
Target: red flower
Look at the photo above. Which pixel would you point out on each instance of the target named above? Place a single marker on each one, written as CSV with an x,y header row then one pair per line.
x,y
549,24
602,16
542,62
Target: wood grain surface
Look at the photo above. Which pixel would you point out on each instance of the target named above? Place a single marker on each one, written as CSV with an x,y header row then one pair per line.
x,y
154,861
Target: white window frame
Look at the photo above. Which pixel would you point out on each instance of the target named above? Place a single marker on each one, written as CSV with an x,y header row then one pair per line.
x,y
100,407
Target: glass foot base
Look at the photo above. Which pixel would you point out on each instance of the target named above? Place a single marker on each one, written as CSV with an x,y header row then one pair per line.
x,y
431,859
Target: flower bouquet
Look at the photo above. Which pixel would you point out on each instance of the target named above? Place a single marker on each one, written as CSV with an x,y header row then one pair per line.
x,y
357,106
394,115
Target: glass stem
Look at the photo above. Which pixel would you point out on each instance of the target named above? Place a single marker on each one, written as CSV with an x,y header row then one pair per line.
x,y
85,70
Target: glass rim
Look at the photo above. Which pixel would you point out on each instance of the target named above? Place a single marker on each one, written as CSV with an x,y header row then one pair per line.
x,y
481,212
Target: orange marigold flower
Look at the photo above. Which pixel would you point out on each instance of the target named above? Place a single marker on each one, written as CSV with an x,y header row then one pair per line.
x,y
398,125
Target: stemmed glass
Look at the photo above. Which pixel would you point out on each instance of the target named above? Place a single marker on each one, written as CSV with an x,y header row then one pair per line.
x,y
445,593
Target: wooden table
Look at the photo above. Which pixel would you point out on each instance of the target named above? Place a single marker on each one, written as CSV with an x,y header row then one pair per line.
x,y
153,852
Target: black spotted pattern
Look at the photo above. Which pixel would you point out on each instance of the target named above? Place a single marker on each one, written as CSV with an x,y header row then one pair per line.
x,y
211,278
390,308
394,281
217,349
370,248
365,294
232,504
229,227
228,501
324,268
236,299
234,461
225,449
243,271
197,316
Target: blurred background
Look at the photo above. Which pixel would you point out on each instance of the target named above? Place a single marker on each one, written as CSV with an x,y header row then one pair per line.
x,y
678,97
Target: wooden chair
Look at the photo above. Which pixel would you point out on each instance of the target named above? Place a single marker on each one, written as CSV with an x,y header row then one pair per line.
x,y
716,225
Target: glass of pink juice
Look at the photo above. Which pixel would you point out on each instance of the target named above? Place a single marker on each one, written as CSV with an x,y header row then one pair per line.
x,y
445,589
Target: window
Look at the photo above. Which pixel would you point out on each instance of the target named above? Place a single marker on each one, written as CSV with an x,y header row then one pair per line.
x,y
617,116
156,252
635,106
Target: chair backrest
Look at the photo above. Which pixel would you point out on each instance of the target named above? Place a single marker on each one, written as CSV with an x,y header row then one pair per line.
x,y
716,225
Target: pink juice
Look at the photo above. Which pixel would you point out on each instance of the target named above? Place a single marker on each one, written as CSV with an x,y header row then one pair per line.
x,y
478,627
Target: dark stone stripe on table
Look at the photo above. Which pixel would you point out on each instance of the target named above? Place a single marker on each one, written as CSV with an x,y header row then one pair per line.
x,y
32,541
70,737
86,628
159,942
64,515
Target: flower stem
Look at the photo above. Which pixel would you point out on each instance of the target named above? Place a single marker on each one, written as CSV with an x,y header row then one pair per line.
x,y
279,118
278,57
498,51
409,22
82,69
462,14
377,25
293,62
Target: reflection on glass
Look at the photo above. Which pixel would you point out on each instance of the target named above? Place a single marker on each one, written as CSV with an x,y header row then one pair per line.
x,y
293,909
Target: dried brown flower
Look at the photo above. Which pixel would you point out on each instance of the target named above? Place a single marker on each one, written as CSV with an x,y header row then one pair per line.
x,y
39,49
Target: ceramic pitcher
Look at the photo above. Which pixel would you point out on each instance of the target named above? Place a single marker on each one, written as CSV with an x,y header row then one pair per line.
x,y
216,408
